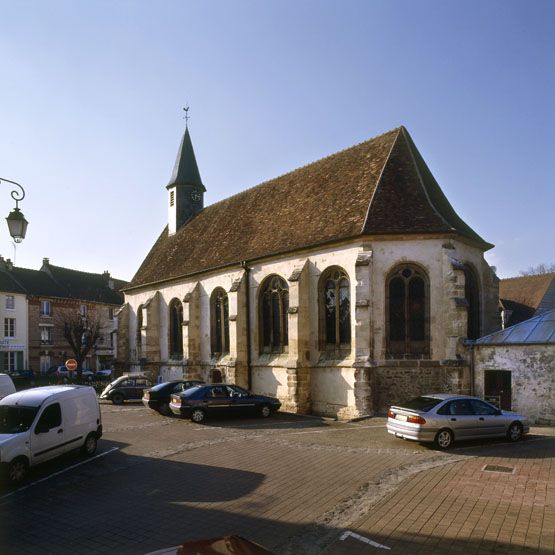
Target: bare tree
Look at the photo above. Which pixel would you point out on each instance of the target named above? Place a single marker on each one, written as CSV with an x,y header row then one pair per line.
x,y
538,270
81,333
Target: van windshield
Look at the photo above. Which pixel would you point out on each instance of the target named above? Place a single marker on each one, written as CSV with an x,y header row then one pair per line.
x,y
15,420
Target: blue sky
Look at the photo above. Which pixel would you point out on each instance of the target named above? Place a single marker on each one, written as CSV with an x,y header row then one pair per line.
x,y
91,96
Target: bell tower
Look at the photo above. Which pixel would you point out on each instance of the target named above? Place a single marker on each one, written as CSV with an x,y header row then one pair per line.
x,y
185,189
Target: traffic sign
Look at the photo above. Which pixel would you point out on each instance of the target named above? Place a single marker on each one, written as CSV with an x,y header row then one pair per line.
x,y
71,364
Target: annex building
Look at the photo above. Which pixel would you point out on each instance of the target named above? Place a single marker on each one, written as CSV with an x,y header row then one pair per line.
x,y
340,287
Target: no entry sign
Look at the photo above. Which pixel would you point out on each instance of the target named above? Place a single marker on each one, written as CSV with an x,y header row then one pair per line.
x,y
71,364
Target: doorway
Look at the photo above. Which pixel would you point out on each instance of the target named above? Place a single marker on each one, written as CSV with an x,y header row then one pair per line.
x,y
497,388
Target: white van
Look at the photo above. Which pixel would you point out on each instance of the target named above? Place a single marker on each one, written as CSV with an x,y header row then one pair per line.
x,y
6,385
45,422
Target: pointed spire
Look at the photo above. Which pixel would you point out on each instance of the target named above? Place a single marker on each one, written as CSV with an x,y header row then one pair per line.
x,y
185,171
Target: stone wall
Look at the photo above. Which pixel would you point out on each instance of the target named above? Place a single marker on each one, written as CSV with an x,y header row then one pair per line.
x,y
532,370
399,381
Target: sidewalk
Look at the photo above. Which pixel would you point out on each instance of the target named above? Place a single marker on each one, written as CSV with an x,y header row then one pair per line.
x,y
466,507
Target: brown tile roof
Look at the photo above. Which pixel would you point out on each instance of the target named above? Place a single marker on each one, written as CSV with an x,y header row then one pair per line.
x,y
524,295
381,186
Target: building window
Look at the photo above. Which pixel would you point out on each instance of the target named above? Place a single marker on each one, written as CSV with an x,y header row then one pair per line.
x,y
408,313
10,302
9,327
45,335
273,307
219,322
176,329
138,332
83,310
335,310
44,364
45,308
10,361
110,313
172,198
472,296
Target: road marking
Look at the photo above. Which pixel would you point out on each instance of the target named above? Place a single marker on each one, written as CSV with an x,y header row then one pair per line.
x,y
360,538
60,472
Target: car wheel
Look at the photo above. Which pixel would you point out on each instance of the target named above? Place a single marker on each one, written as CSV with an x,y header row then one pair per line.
x,y
18,470
265,411
198,416
164,408
444,439
514,433
117,399
89,447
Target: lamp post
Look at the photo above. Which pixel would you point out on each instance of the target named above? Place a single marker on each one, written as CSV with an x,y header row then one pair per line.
x,y
17,224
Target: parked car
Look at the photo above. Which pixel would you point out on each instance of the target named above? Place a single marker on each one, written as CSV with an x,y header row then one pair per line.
x,y
51,371
128,387
63,372
445,418
201,401
45,422
103,373
22,375
158,397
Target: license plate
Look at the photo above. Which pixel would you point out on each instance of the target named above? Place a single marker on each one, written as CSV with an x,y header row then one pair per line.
x,y
401,417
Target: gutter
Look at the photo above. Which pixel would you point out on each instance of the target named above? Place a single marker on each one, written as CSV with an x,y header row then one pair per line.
x,y
245,267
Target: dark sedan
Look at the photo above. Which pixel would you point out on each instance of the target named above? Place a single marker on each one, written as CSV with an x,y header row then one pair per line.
x,y
199,402
158,397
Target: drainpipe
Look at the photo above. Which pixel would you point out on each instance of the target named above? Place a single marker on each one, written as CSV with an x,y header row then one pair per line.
x,y
245,267
471,368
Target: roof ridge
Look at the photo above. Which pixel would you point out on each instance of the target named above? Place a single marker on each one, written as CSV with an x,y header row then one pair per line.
x,y
302,167
378,181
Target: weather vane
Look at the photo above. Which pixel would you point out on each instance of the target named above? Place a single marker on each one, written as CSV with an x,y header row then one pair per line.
x,y
186,116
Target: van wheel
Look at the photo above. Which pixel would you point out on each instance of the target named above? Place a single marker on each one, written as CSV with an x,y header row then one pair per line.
x,y
89,447
444,439
198,416
117,399
18,470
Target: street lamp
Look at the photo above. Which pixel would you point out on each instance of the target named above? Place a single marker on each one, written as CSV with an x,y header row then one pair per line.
x,y
17,224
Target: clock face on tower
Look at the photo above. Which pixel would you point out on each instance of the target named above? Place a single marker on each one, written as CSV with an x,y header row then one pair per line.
x,y
195,196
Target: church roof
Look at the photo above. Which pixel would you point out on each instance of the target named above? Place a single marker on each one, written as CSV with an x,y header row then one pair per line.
x,y
381,186
185,171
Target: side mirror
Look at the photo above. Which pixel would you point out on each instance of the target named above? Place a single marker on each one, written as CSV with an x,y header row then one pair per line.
x,y
498,412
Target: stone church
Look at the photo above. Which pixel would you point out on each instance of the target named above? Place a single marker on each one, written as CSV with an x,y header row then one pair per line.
x,y
340,287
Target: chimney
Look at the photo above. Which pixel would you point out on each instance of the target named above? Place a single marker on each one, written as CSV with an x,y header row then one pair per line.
x,y
45,261
9,264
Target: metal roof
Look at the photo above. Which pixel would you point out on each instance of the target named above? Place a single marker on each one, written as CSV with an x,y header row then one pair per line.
x,y
35,396
539,329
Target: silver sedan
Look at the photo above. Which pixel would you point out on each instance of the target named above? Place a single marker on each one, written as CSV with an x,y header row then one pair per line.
x,y
444,418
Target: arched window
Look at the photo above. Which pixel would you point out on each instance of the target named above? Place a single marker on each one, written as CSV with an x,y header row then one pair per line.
x,y
176,328
138,332
335,309
472,296
407,298
273,306
219,322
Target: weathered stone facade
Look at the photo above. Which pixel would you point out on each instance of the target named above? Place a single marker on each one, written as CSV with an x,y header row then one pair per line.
x,y
532,368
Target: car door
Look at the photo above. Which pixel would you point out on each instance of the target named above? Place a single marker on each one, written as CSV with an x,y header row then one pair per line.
x,y
218,400
489,421
460,417
243,402
139,385
47,436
